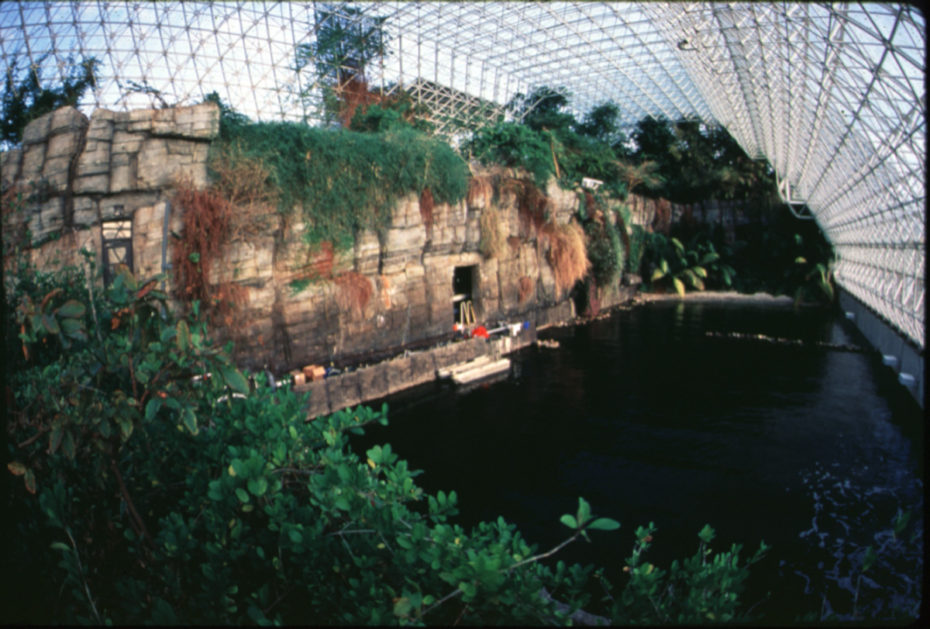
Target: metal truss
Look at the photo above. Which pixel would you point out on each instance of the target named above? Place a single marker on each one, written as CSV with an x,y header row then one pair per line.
x,y
832,95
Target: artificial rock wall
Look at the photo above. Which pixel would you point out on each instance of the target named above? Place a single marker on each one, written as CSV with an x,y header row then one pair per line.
x,y
74,173
387,292
408,272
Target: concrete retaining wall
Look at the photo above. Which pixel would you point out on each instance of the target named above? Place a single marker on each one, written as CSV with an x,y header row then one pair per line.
x,y
403,372
899,355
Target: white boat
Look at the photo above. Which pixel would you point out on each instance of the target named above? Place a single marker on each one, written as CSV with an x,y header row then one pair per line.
x,y
474,370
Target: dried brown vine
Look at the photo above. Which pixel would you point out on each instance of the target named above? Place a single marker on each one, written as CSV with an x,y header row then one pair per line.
x,y
426,208
353,291
525,288
567,254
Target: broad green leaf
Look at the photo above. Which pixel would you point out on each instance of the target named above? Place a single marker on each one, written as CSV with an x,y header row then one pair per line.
x,y
700,271
71,326
569,521
679,286
61,546
242,494
402,607
190,420
167,334
183,336
707,534
604,524
50,324
234,379
709,257
695,281
151,408
800,260
71,308
125,428
295,536
656,275
54,439
258,486
584,511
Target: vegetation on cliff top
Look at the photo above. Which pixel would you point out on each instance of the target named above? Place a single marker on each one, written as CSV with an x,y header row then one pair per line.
x,y
339,181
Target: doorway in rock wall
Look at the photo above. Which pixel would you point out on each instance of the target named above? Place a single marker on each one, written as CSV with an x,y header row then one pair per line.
x,y
116,243
464,282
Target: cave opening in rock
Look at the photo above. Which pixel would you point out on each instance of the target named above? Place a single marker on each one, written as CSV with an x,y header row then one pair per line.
x,y
464,281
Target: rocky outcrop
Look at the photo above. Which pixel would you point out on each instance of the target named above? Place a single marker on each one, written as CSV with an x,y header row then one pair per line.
x,y
289,317
74,173
296,305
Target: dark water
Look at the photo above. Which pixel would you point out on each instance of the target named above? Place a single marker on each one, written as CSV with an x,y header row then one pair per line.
x,y
812,450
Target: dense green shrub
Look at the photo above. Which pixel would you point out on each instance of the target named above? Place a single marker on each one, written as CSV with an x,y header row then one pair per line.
x,y
177,493
668,262
605,251
605,247
397,110
515,145
785,257
341,181
638,238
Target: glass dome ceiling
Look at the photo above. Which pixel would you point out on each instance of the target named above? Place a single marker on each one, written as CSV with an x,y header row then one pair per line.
x,y
832,95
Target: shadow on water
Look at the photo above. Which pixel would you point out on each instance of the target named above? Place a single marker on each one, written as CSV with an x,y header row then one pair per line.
x,y
650,418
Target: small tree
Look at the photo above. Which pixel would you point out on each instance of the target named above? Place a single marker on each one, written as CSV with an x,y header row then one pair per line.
x,y
643,174
543,109
33,96
346,41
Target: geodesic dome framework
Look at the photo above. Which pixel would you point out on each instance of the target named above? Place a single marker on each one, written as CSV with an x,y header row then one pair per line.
x,y
832,95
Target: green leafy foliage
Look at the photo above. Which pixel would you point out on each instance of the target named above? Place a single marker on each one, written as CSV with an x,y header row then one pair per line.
x,y
785,257
605,248
703,588
345,40
601,123
391,112
175,492
668,262
543,109
515,145
339,181
547,141
638,239
694,162
26,99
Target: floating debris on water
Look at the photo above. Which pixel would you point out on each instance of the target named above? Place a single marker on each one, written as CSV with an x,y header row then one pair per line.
x,y
775,340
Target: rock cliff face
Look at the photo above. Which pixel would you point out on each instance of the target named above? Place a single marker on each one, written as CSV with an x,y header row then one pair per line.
x,y
387,292
75,174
